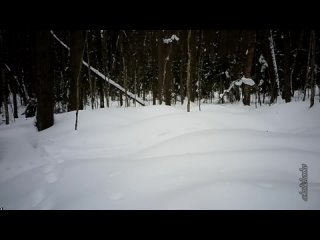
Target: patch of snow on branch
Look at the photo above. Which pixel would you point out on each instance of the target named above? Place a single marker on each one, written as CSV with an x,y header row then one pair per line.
x,y
238,82
261,82
263,63
171,39
247,81
227,74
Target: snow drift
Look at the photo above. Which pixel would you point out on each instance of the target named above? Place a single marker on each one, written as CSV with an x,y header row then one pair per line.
x,y
160,157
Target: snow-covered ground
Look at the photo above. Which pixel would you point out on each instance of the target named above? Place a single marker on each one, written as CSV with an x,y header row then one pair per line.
x,y
161,157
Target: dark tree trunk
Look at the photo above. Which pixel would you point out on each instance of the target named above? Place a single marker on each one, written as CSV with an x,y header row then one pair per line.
x,y
120,98
294,68
188,71
181,83
101,92
302,58
1,92
167,74
312,65
124,58
160,65
286,85
77,41
135,83
181,76
183,60
44,79
248,66
168,83
104,62
193,66
92,91
308,68
221,85
154,71
200,68
89,72
270,70
5,95
125,80
273,68
79,87
15,105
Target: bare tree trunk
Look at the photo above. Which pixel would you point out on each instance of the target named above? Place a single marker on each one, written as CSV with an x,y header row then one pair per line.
x,y
154,61
181,83
312,67
154,67
248,66
101,92
307,79
15,106
5,95
105,63
76,49
1,91
193,67
275,92
200,68
78,81
167,76
199,89
124,53
286,87
44,78
101,81
295,56
160,66
182,62
120,99
135,81
89,75
125,79
188,71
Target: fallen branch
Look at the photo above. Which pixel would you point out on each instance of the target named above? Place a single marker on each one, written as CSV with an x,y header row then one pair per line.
x,y
99,74
22,88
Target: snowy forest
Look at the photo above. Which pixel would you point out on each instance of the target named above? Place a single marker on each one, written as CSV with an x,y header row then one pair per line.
x,y
155,67
159,119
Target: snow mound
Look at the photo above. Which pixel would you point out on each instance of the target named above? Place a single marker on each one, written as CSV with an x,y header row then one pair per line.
x,y
161,157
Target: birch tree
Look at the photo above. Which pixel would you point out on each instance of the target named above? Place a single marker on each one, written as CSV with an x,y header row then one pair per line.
x,y
275,91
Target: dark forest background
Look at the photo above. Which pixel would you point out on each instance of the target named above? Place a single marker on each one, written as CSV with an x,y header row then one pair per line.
x,y
156,66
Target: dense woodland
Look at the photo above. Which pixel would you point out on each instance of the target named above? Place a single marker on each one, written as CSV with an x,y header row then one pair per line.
x,y
64,70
